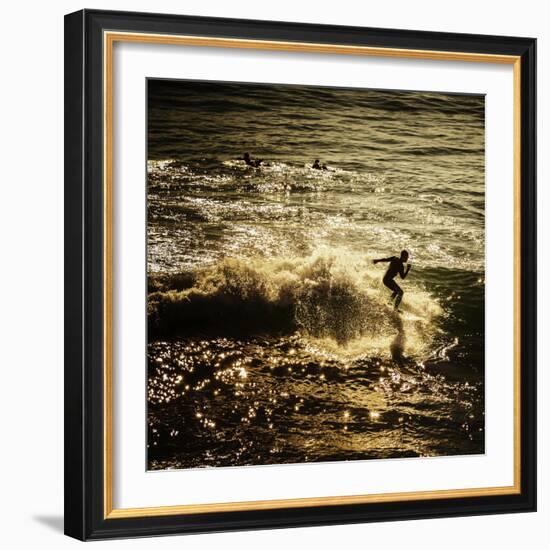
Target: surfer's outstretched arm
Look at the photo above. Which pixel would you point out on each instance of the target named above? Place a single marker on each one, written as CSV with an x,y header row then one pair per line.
x,y
382,260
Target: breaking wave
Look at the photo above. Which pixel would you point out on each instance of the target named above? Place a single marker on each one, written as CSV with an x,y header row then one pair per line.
x,y
325,296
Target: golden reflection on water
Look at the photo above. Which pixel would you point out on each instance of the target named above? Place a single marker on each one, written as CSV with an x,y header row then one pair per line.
x,y
221,402
318,366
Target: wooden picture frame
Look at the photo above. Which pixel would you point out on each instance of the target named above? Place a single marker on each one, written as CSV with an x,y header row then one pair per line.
x,y
89,39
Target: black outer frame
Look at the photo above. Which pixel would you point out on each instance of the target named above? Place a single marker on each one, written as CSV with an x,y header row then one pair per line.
x,y
84,323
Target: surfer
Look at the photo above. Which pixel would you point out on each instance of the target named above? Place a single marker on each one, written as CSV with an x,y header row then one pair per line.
x,y
397,266
318,166
255,163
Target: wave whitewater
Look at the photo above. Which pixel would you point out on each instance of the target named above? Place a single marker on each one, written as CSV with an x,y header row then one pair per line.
x,y
324,296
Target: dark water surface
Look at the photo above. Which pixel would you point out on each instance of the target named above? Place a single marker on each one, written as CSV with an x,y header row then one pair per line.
x,y
271,337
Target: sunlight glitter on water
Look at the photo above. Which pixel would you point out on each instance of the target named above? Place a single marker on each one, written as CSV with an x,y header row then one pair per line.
x,y
271,336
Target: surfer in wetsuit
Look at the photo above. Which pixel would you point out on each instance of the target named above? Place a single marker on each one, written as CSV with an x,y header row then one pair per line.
x,y
397,266
318,166
255,163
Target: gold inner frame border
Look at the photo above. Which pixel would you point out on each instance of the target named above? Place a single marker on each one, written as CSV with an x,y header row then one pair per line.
x,y
109,39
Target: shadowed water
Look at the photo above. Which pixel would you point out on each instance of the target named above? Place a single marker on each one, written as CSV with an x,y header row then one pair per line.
x,y
271,337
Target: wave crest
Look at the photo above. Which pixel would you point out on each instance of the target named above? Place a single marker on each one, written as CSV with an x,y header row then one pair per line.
x,y
325,296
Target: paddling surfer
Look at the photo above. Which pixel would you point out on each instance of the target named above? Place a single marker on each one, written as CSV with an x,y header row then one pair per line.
x,y
318,166
254,163
397,266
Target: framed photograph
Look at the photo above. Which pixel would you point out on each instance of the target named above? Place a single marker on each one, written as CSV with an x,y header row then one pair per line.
x,y
300,274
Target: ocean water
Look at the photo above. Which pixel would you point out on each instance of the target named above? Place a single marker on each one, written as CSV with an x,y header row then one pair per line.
x,y
271,338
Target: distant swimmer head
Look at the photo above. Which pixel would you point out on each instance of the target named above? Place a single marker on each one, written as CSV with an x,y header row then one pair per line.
x,y
404,255
316,164
248,161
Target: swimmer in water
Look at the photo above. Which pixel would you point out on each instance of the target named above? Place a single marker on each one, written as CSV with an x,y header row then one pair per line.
x,y
397,266
255,163
318,166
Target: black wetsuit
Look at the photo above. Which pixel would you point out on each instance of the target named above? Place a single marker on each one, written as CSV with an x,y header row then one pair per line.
x,y
255,163
395,268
